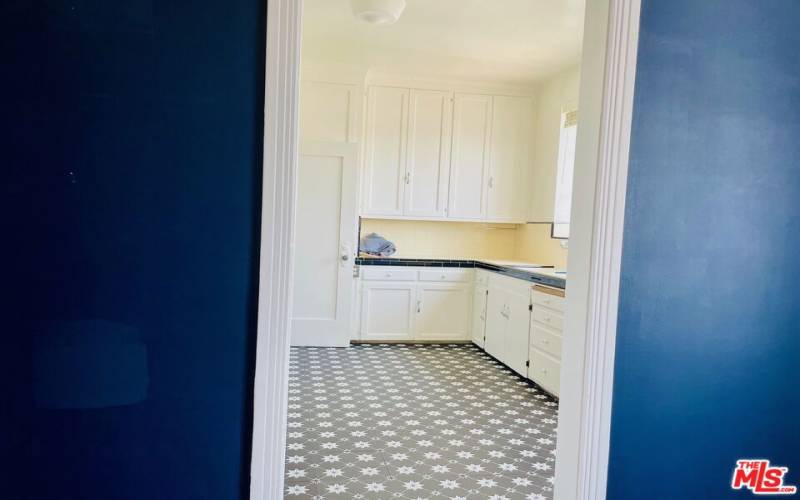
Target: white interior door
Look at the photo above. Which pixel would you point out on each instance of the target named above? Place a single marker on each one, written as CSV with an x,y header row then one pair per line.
x,y
325,242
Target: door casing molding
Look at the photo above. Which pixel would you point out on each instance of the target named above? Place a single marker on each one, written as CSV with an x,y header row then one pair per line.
x,y
608,74
607,82
279,185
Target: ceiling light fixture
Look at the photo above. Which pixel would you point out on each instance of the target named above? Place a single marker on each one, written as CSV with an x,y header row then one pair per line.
x,y
379,12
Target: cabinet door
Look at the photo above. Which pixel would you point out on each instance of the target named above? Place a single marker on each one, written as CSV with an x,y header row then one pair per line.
x,y
387,310
428,153
469,157
385,150
443,311
479,315
509,157
496,322
515,350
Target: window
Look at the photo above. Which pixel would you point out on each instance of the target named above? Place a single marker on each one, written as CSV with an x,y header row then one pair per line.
x,y
566,164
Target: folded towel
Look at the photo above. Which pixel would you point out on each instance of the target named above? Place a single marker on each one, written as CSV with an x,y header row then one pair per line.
x,y
375,244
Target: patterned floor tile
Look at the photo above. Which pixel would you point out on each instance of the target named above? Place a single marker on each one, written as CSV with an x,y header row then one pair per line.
x,y
415,421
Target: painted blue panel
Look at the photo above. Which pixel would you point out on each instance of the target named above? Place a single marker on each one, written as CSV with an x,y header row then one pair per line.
x,y
131,153
708,338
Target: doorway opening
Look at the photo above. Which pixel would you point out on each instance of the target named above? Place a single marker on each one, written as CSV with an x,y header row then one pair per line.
x,y
428,239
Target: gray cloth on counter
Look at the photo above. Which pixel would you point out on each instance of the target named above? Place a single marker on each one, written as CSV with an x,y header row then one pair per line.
x,y
375,244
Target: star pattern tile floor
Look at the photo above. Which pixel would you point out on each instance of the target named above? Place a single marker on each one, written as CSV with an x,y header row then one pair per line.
x,y
415,421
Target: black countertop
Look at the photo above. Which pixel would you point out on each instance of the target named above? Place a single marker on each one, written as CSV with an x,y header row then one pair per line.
x,y
513,272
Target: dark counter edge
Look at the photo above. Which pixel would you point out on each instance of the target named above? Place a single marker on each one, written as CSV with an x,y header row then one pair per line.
x,y
506,271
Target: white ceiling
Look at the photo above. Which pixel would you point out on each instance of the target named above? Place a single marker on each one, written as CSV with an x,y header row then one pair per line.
x,y
509,41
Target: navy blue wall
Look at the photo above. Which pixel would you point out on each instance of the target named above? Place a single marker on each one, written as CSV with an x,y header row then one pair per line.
x,y
709,321
131,169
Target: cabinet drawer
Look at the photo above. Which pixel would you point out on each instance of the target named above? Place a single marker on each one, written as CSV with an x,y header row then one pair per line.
x,y
386,273
548,318
545,339
446,274
545,371
481,277
552,298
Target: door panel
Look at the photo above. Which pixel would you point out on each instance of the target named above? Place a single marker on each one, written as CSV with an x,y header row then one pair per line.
x,y
385,150
387,310
516,340
469,161
328,112
325,231
479,315
509,157
443,312
495,322
428,153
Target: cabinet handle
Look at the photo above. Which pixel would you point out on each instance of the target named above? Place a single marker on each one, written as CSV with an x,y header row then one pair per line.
x,y
408,177
491,182
419,306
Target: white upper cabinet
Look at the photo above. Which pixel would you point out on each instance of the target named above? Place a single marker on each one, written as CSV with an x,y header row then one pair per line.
x,y
385,151
428,153
469,156
509,157
433,154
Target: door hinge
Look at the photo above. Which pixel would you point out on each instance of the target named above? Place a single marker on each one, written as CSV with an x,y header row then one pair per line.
x,y
355,271
530,307
528,363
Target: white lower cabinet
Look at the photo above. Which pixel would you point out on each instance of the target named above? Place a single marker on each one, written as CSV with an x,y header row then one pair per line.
x,y
443,311
546,331
518,323
508,322
479,314
387,310
403,303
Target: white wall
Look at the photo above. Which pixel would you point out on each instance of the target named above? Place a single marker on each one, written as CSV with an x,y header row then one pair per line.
x,y
557,94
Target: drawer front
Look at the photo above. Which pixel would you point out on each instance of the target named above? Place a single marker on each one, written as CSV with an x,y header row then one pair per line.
x,y
548,300
445,274
388,273
546,340
545,371
514,285
481,277
548,318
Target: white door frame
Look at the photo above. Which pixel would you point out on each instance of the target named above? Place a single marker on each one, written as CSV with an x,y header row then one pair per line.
x,y
607,77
